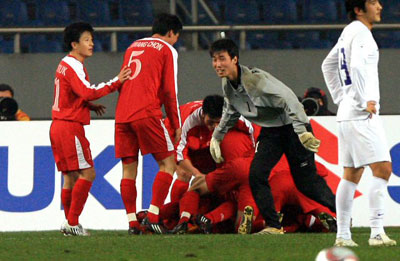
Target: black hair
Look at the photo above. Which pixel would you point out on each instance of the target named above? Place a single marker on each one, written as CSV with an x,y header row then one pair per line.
x,y
163,23
212,106
73,32
351,4
5,87
317,93
224,44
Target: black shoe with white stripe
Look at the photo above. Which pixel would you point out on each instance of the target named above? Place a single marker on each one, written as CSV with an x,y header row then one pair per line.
x,y
204,224
155,228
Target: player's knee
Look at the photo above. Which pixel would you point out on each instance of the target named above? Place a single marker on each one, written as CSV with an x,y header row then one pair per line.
x,y
88,174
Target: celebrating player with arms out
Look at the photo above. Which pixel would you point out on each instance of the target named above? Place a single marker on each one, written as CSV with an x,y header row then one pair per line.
x,y
351,74
138,120
71,110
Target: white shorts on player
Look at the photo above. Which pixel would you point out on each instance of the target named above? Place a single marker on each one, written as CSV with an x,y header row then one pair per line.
x,y
362,142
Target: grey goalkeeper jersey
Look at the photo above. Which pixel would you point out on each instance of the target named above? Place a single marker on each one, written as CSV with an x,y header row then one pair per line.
x,y
261,99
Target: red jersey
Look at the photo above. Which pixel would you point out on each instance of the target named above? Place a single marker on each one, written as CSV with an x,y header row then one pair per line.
x,y
195,135
73,91
153,83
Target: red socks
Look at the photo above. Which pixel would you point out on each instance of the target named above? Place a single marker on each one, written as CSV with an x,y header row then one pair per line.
x,y
66,195
178,189
80,193
189,204
223,212
160,190
128,195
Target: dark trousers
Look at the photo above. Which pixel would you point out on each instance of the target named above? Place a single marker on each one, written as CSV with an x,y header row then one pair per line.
x,y
272,143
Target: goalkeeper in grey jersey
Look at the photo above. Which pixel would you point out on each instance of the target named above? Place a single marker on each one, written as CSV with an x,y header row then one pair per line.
x,y
264,100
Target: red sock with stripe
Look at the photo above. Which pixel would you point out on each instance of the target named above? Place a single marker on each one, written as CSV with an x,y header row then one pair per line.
x,y
160,191
128,195
188,205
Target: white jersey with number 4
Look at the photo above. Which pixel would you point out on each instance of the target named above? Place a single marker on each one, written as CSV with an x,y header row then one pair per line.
x,y
351,72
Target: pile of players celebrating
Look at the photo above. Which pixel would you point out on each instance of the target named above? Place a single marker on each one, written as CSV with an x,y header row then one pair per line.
x,y
244,161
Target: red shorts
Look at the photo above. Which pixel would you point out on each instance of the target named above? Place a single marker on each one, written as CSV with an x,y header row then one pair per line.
x,y
229,176
149,135
70,147
233,175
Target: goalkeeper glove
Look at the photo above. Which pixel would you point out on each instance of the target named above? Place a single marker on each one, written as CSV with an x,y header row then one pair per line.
x,y
309,141
215,150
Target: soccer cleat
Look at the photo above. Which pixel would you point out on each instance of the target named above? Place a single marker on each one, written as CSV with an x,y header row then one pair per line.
x,y
381,240
141,215
155,228
63,228
180,229
134,231
341,242
77,230
271,231
247,221
204,224
328,221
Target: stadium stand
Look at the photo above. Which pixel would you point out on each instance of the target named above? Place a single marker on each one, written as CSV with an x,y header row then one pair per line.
x,y
242,12
53,13
320,11
13,13
58,13
136,12
6,44
279,12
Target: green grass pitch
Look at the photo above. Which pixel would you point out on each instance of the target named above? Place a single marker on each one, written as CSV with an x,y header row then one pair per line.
x,y
118,245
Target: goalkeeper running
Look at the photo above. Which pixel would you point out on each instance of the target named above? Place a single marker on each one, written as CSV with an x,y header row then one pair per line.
x,y
266,101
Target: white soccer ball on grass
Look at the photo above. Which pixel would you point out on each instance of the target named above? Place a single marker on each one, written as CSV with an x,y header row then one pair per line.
x,y
336,254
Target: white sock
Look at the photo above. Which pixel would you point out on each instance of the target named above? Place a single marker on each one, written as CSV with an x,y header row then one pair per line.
x,y
132,217
376,205
154,210
344,204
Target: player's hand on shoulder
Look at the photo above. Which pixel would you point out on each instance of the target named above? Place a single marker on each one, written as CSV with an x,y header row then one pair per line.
x,y
215,150
309,141
99,109
124,74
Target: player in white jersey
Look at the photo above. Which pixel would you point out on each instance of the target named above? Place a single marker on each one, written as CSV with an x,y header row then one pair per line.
x,y
351,74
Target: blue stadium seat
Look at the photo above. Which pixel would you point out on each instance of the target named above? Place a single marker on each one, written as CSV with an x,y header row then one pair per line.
x,y
203,17
391,11
53,13
13,13
6,44
41,43
387,39
279,12
267,40
308,40
137,12
97,14
242,12
321,11
126,39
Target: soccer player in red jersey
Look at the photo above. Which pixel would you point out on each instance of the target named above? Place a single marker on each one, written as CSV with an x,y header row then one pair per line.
x,y
71,110
138,119
232,174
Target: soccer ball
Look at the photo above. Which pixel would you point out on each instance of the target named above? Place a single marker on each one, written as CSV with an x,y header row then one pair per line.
x,y
336,254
